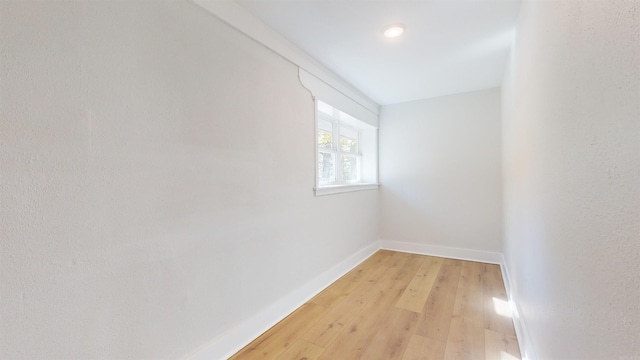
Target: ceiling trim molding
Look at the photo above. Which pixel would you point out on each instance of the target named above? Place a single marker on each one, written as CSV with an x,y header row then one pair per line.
x,y
236,16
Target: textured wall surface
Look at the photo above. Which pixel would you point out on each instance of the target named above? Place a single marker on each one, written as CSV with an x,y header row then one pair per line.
x,y
156,181
440,169
572,177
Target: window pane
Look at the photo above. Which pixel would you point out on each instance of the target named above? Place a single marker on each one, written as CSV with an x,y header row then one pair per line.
x,y
348,140
350,171
326,167
348,145
325,134
325,140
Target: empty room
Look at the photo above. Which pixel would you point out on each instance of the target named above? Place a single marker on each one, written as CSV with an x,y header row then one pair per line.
x,y
315,179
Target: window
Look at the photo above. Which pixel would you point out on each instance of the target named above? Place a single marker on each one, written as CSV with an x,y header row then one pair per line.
x,y
347,152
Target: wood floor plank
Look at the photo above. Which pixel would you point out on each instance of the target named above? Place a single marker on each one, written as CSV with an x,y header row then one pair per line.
x,y
277,339
360,331
332,323
466,333
406,272
500,346
392,339
343,286
497,312
422,348
302,349
452,262
362,290
416,294
435,318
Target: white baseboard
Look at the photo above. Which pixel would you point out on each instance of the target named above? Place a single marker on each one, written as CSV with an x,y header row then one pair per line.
x,y
235,339
526,347
443,251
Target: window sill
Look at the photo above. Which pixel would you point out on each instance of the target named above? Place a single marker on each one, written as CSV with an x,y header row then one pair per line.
x,y
337,189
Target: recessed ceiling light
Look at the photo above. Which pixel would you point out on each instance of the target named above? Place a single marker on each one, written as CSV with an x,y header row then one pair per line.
x,y
393,30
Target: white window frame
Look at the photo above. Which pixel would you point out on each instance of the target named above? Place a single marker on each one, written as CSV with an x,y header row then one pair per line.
x,y
339,186
336,151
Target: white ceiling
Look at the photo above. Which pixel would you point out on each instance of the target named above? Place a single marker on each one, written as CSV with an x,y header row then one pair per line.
x,y
449,46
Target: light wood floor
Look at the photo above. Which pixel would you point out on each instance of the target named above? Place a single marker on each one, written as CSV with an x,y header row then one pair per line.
x,y
399,306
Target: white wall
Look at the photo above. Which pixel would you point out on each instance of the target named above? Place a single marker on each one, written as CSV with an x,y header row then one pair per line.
x,y
440,169
571,127
156,181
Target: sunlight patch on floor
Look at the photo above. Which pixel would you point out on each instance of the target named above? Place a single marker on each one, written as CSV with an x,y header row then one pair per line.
x,y
506,356
502,307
